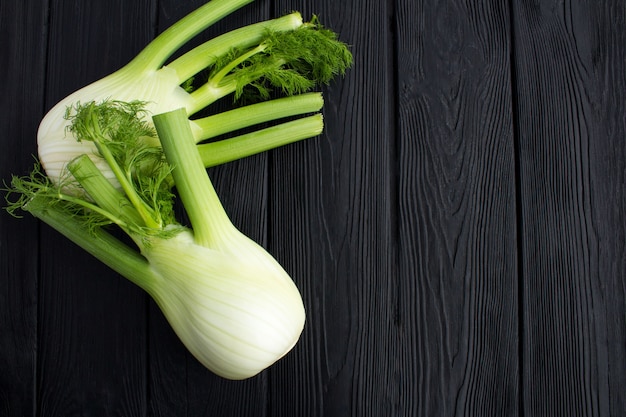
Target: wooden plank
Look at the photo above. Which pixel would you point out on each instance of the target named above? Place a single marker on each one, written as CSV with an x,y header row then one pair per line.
x,y
180,385
92,322
457,319
570,88
331,227
400,232
22,53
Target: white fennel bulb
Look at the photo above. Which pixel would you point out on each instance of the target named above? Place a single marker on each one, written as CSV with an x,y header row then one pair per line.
x,y
158,89
230,302
237,312
283,54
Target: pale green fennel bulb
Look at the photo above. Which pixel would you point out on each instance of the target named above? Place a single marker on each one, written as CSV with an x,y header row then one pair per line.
x,y
229,301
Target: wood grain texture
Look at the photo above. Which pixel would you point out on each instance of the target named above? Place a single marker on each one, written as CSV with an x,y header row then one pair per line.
x,y
92,322
569,61
457,232
458,281
607,154
331,226
22,53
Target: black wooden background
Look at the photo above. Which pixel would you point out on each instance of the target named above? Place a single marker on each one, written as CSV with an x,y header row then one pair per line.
x,y
458,233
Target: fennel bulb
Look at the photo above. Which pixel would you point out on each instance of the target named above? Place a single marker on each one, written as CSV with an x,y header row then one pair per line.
x,y
285,53
230,302
236,311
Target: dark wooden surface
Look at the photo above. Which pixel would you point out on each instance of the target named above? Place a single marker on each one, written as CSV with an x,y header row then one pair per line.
x,y
458,233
